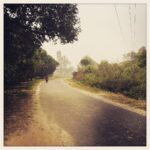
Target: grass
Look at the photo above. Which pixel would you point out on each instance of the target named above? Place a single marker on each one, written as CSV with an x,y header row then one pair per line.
x,y
119,98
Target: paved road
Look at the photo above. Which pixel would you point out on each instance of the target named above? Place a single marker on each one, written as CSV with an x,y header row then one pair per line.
x,y
89,121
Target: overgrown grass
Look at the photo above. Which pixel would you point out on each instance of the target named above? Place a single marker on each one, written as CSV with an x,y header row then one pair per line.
x,y
116,97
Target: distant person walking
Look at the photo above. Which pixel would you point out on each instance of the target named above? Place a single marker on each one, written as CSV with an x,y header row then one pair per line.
x,y
46,78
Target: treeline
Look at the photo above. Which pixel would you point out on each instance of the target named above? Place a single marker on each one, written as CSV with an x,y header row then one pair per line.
x,y
127,77
26,27
25,69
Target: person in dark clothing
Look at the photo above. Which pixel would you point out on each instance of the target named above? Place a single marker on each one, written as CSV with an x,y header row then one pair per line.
x,y
46,78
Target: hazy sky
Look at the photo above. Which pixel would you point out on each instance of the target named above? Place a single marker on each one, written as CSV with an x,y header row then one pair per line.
x,y
101,37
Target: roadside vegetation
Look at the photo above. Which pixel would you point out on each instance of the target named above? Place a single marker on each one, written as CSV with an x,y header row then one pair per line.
x,y
111,96
26,28
18,107
26,69
127,77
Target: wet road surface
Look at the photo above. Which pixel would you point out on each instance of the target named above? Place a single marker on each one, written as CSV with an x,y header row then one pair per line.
x,y
90,121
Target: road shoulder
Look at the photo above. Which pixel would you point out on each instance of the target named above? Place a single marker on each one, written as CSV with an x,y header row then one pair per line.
x,y
137,106
39,131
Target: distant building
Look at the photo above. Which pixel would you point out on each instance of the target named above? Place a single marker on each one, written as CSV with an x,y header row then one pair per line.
x,y
64,69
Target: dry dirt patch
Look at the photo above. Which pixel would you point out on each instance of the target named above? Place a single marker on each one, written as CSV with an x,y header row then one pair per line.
x,y
117,98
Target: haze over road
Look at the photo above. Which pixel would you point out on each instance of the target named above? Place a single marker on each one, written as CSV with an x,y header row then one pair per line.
x,y
90,121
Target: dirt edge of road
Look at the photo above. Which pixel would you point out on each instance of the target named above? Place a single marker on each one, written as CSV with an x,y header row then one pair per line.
x,y
40,132
137,106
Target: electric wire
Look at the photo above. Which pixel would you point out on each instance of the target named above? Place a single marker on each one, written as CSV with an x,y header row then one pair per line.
x,y
134,22
119,23
130,22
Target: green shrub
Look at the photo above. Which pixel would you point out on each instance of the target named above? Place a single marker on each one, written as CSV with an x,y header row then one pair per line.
x,y
127,77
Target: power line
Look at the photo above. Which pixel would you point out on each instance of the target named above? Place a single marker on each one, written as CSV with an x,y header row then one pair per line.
x,y
117,15
134,21
130,18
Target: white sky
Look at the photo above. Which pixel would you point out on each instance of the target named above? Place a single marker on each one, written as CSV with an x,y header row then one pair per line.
x,y
100,37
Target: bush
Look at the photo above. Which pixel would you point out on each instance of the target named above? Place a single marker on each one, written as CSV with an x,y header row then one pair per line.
x,y
127,77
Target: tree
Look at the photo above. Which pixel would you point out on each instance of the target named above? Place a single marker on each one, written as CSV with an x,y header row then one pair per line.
x,y
127,77
85,61
141,57
27,26
43,64
44,21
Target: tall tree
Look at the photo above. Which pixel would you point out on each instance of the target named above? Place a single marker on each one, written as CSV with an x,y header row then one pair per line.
x,y
27,26
43,64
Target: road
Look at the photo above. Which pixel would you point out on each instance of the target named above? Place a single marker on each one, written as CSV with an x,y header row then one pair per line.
x,y
90,121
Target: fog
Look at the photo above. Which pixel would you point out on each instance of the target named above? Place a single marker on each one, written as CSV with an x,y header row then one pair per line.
x,y
101,37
